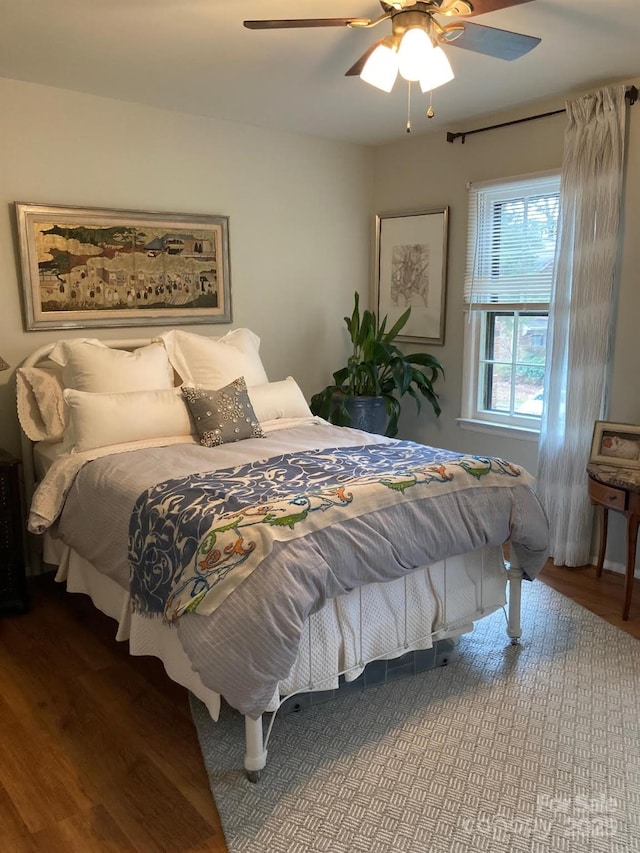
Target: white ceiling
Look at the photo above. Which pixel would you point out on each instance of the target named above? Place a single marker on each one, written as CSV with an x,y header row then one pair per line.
x,y
196,57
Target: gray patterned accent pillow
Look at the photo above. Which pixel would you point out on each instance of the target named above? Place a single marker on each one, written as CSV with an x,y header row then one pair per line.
x,y
224,415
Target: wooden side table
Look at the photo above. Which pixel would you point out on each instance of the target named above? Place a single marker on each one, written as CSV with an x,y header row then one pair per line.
x,y
13,593
617,489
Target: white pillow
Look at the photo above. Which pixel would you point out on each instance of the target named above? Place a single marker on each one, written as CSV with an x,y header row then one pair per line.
x,y
275,400
100,420
215,362
42,411
90,365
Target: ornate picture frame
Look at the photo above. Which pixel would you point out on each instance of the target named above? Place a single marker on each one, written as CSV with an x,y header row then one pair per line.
x,y
615,444
411,270
95,267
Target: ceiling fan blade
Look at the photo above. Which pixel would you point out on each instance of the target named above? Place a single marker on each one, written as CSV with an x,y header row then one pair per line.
x,y
502,44
482,7
358,65
306,22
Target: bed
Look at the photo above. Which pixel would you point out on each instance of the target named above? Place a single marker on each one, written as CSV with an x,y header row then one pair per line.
x,y
257,550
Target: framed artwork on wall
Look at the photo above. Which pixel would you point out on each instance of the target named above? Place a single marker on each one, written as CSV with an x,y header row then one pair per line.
x,y
615,444
411,271
84,267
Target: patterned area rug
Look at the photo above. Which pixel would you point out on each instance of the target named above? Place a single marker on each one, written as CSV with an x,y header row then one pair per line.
x,y
533,748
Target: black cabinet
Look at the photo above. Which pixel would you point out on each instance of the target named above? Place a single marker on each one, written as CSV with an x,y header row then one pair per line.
x,y
13,592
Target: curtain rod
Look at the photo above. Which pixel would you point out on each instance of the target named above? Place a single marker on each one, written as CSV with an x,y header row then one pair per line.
x,y
631,95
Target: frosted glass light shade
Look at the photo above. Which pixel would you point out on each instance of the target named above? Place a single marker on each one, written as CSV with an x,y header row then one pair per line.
x,y
439,71
381,68
414,54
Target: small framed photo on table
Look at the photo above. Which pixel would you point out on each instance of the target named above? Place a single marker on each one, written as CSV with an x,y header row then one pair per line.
x,y
615,444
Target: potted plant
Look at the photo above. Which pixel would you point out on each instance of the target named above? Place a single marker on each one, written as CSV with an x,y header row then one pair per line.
x,y
366,393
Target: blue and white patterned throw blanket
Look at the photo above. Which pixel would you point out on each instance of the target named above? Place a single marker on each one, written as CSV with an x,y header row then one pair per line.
x,y
193,540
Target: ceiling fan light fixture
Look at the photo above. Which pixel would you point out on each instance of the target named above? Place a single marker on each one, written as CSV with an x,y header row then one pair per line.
x,y
414,53
439,71
381,68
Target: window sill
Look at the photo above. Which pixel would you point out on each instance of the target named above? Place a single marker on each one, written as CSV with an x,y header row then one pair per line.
x,y
490,428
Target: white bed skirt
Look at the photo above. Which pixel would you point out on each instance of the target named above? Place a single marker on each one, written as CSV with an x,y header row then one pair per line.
x,y
375,622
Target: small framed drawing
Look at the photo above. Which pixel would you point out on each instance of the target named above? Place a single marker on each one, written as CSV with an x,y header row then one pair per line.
x,y
616,444
84,267
411,271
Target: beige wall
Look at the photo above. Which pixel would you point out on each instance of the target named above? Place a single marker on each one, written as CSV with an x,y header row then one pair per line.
x,y
301,227
299,213
429,172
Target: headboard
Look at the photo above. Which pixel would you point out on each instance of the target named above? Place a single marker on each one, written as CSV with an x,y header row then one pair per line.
x,y
40,358
156,409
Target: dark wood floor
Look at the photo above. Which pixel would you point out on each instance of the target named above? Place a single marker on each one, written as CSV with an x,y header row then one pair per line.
x,y
601,596
97,749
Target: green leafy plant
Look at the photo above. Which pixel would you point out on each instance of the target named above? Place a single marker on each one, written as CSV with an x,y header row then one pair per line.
x,y
378,368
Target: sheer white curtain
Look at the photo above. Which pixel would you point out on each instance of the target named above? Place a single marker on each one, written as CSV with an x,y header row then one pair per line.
x,y
581,315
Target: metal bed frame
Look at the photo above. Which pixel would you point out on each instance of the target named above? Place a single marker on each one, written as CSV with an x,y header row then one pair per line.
x,y
256,739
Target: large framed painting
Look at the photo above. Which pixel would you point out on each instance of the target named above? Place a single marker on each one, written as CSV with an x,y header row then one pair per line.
x,y
411,271
84,267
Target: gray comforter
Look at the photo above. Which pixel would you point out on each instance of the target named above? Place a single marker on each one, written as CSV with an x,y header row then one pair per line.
x,y
247,642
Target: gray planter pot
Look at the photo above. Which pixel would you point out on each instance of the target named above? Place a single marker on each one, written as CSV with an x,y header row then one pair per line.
x,y
367,413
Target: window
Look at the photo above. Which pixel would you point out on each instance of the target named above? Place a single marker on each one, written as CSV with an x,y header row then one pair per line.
x,y
510,264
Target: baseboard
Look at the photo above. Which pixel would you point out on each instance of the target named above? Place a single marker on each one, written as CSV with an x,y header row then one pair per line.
x,y
610,566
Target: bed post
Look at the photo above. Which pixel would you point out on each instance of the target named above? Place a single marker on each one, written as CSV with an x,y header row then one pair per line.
x,y
514,576
255,756
34,543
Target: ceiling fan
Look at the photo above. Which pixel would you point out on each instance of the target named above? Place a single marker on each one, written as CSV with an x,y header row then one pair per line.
x,y
414,47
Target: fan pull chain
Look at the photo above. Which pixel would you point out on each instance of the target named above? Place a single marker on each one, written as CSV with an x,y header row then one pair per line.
x,y
431,112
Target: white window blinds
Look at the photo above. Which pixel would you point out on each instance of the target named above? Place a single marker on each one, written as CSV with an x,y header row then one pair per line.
x,y
511,243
